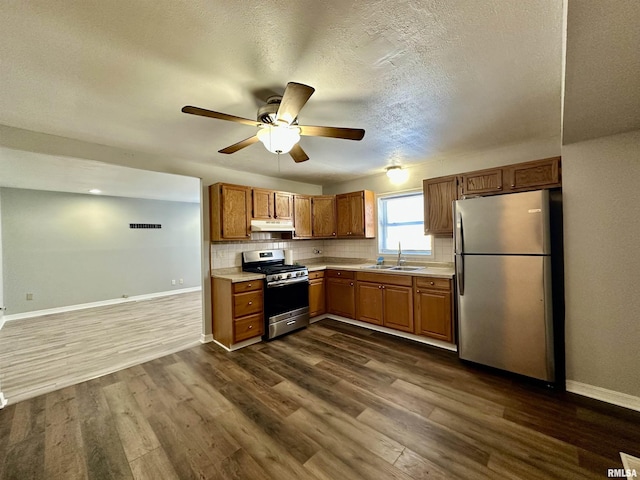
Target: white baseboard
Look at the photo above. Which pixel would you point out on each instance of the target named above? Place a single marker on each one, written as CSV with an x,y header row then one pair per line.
x,y
3,319
102,303
206,338
409,336
239,345
3,401
598,393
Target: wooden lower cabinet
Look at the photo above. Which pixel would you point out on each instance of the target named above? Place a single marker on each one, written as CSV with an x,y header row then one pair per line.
x,y
317,303
237,310
433,308
341,293
385,300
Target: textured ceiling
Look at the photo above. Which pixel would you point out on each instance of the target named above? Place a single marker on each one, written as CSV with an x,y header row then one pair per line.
x,y
423,78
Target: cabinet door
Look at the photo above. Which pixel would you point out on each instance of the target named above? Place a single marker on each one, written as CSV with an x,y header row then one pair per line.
x,y
343,215
433,314
369,302
235,214
539,174
283,209
324,216
302,216
341,298
398,307
356,214
317,305
483,181
439,194
262,202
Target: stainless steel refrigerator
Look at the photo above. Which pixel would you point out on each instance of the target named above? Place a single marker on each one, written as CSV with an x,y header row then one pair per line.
x,y
504,277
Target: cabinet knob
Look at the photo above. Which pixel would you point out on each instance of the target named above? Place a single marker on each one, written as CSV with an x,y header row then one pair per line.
x,y
249,285
339,273
383,287
250,327
351,284
250,303
513,185
500,188
333,233
417,291
379,286
431,283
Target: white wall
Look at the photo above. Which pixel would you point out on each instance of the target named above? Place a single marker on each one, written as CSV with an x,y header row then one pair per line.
x,y
452,164
601,202
68,249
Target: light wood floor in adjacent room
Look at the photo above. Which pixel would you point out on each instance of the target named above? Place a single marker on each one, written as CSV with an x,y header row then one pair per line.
x,y
42,354
330,402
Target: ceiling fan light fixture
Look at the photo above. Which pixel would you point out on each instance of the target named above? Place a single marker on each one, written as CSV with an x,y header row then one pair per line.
x,y
397,174
279,138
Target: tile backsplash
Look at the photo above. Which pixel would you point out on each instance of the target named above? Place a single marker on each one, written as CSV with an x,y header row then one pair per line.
x,y
228,254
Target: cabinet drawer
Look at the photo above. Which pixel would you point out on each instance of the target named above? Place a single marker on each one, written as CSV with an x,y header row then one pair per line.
x,y
403,280
250,286
248,327
318,274
429,282
247,304
340,274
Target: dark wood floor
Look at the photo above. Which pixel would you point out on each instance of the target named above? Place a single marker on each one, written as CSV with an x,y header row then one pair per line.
x,y
331,402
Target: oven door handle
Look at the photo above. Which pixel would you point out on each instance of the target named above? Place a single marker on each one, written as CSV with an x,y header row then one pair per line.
x,y
284,283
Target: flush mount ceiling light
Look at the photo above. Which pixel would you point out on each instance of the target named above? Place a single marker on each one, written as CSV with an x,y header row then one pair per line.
x,y
279,138
95,191
397,174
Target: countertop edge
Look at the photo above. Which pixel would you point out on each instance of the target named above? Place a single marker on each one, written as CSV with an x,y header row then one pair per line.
x,y
239,276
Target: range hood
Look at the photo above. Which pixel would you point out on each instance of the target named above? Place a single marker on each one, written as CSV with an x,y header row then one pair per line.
x,y
272,226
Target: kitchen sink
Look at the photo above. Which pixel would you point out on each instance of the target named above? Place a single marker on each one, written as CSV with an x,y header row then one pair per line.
x,y
378,267
402,268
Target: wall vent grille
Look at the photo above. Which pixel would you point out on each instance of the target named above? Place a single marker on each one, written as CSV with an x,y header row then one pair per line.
x,y
145,225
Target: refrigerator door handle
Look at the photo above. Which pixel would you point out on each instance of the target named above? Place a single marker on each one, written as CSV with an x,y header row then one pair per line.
x,y
460,274
458,231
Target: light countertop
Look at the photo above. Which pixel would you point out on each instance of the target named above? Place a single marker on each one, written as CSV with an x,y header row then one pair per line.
x,y
236,275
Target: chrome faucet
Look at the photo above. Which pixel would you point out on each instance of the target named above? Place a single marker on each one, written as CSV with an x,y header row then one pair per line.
x,y
400,259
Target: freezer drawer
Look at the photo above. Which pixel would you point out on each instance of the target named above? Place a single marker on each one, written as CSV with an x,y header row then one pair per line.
x,y
505,314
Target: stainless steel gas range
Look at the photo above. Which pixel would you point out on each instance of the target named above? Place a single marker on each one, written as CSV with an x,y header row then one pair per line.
x,y
286,293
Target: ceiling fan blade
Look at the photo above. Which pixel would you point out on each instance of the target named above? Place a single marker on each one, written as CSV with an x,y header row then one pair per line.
x,y
240,145
221,116
333,132
298,154
294,98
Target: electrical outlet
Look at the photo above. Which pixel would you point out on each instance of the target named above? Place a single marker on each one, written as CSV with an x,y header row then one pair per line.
x,y
173,282
181,281
29,296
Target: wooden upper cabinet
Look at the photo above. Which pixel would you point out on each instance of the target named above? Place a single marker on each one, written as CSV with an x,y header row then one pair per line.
x,y
355,214
302,216
439,195
539,174
262,203
283,203
230,211
323,209
482,182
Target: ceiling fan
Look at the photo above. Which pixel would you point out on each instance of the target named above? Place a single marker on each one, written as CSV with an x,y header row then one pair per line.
x,y
277,124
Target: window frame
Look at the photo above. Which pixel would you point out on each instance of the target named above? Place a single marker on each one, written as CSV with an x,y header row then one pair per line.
x,y
382,227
